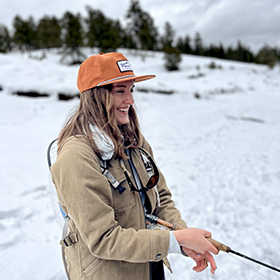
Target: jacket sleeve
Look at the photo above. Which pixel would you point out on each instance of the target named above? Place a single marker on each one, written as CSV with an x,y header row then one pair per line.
x,y
167,210
85,194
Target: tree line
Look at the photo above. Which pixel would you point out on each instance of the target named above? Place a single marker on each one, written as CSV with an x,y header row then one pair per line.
x,y
72,32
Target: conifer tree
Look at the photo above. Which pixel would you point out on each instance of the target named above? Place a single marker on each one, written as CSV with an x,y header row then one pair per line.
x,y
215,51
49,33
73,37
134,23
172,55
102,32
221,51
25,35
167,39
5,39
198,46
110,39
95,27
211,51
277,53
267,56
229,53
140,27
149,33
180,44
241,53
184,45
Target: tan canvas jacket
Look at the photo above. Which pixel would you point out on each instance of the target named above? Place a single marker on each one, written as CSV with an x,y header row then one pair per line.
x,y
112,240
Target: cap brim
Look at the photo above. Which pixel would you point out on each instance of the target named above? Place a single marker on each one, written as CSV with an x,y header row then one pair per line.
x,y
135,79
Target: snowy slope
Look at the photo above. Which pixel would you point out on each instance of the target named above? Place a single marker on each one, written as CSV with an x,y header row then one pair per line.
x,y
219,154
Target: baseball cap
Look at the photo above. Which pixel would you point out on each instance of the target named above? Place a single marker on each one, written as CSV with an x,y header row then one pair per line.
x,y
104,69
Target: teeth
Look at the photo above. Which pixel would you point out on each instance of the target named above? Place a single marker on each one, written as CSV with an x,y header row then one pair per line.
x,y
123,110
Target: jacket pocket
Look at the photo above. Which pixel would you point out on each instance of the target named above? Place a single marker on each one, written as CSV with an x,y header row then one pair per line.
x,y
122,201
91,269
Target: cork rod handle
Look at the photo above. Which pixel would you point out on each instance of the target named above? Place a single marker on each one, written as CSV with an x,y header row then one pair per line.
x,y
217,244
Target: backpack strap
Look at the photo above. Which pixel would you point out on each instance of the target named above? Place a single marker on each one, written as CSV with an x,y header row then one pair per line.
x,y
111,179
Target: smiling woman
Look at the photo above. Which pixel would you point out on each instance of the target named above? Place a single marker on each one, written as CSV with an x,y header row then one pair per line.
x,y
107,182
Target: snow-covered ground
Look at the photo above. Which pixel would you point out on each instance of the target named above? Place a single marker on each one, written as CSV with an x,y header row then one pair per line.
x,y
220,154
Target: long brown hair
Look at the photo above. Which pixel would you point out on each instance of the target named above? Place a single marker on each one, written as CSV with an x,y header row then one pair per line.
x,y
96,108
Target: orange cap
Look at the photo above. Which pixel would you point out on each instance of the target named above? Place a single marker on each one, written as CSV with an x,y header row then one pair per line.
x,y
104,69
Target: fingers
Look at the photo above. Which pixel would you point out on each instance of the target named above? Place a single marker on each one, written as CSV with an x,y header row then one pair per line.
x,y
202,263
212,263
200,266
213,249
207,246
207,234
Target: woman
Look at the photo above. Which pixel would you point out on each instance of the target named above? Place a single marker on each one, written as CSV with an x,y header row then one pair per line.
x,y
107,181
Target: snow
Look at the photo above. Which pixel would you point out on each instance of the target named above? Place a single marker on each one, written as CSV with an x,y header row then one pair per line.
x,y
219,154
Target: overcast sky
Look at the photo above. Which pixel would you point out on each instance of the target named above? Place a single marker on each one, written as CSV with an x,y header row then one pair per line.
x,y
253,22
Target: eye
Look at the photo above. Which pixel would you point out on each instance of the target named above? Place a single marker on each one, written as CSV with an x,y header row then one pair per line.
x,y
118,92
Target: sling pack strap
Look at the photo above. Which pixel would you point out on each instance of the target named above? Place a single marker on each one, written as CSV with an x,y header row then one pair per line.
x,y
111,179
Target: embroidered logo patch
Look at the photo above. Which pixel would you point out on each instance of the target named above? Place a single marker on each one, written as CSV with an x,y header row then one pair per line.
x,y
124,65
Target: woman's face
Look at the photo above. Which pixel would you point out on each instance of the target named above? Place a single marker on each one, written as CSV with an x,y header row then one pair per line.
x,y
122,99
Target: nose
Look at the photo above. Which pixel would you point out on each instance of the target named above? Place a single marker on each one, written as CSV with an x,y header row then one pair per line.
x,y
129,98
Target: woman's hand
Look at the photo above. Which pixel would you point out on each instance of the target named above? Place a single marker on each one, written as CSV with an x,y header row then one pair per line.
x,y
201,260
195,245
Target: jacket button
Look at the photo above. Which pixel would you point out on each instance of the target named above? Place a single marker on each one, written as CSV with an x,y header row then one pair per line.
x,y
158,256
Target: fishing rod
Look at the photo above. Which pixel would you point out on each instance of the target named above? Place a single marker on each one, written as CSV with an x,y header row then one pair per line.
x,y
217,244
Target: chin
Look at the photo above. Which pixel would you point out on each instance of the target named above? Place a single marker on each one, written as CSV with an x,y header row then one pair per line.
x,y
122,122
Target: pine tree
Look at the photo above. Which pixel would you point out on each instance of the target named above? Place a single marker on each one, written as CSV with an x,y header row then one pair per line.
x,y
134,23
95,27
184,45
103,33
25,35
180,44
49,33
198,46
267,56
73,37
140,28
277,53
229,53
5,39
110,39
210,51
172,58
149,34
172,55
241,53
221,51
167,39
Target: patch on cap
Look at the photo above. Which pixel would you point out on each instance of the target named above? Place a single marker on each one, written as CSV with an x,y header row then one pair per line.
x,y
124,66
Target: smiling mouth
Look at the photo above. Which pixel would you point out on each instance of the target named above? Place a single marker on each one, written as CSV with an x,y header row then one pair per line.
x,y
123,110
